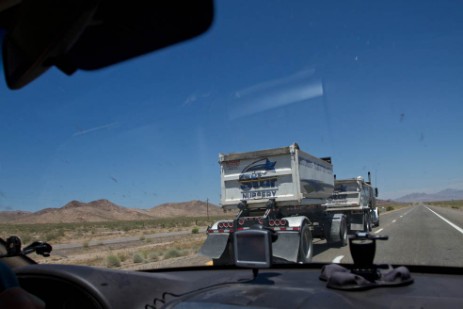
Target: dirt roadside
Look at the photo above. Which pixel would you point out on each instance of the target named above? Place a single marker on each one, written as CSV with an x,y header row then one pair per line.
x,y
175,249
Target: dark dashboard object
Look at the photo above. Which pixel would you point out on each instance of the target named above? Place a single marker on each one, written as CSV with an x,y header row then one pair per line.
x,y
286,286
92,34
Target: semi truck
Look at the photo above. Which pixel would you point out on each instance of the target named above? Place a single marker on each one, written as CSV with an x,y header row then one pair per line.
x,y
293,193
282,189
355,198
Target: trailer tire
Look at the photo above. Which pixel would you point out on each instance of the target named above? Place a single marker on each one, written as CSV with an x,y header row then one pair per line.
x,y
305,245
370,224
376,224
367,222
343,232
337,232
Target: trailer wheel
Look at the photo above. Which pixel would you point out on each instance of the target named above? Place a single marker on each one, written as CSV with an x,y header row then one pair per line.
x,y
305,245
376,223
343,232
367,222
337,231
370,224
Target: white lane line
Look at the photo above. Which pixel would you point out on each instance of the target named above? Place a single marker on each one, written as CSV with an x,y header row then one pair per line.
x,y
459,229
378,231
394,221
337,259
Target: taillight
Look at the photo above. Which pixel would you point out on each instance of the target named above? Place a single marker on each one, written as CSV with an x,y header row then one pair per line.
x,y
241,221
277,222
224,225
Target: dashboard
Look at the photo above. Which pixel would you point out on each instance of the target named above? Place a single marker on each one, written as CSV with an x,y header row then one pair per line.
x,y
288,286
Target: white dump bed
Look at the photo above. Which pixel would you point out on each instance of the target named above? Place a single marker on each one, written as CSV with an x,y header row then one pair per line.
x,y
288,175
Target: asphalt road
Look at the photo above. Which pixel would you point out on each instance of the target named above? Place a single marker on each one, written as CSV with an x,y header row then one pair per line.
x,y
418,235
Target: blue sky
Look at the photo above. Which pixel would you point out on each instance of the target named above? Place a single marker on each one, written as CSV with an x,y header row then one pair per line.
x,y
376,86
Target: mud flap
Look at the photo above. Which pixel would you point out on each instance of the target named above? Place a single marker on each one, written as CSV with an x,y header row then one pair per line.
x,y
287,246
214,245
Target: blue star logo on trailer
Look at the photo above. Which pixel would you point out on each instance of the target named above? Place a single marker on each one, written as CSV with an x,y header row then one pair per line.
x,y
254,176
267,166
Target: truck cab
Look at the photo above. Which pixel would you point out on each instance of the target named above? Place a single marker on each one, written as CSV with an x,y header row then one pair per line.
x,y
353,192
357,199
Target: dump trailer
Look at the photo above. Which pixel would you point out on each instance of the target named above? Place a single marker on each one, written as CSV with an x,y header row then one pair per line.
x,y
282,189
356,199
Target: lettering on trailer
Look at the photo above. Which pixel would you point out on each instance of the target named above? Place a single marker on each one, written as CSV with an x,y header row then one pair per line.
x,y
257,176
259,194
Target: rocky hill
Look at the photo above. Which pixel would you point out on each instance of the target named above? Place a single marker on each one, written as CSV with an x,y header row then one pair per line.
x,y
444,195
12,215
186,209
104,210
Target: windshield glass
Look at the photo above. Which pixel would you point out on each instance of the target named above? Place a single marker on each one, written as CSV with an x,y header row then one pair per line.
x,y
118,167
347,187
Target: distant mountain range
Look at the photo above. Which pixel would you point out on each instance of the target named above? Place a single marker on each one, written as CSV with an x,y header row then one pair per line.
x,y
444,195
104,210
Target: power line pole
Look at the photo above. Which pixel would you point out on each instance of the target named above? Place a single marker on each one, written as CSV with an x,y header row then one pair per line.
x,y
207,208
